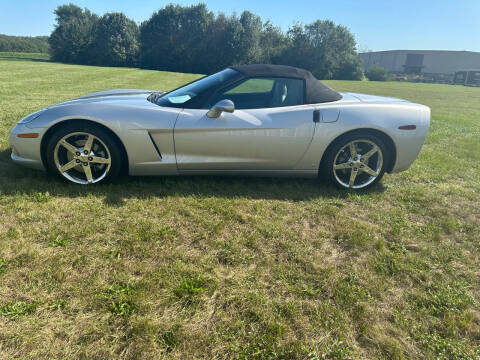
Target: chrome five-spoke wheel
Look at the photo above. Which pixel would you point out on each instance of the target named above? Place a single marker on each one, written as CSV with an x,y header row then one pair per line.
x,y
82,158
358,163
84,153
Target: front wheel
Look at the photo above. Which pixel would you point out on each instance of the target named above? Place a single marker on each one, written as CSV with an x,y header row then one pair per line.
x,y
83,154
356,162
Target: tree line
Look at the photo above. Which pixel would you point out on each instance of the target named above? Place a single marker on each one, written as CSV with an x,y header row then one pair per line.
x,y
195,40
28,44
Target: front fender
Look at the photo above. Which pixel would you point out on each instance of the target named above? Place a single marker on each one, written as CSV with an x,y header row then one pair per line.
x,y
131,125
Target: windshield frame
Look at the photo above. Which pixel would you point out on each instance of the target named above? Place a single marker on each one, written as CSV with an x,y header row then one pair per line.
x,y
198,101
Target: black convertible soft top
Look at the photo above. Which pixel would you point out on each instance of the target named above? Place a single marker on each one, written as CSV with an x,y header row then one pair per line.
x,y
316,91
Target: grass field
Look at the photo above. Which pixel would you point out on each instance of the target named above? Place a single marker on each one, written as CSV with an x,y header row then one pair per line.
x,y
240,268
24,56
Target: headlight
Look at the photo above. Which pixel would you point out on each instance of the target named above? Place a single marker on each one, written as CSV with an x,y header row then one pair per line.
x,y
31,117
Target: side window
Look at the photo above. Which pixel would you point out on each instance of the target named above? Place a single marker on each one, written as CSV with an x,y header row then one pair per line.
x,y
252,86
256,93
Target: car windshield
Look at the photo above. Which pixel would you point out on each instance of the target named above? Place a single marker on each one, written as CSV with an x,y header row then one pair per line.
x,y
186,93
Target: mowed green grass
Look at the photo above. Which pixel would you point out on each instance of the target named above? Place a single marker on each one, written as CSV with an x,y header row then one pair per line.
x,y
240,268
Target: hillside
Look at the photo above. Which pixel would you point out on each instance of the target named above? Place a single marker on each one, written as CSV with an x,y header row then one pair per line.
x,y
29,44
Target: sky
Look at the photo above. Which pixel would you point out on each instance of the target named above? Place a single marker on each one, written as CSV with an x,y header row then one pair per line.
x,y
376,24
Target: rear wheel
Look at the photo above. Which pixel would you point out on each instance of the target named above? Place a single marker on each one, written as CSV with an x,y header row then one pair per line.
x,y
83,154
356,162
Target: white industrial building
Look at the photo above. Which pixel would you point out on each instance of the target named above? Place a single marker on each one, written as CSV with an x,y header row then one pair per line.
x,y
428,62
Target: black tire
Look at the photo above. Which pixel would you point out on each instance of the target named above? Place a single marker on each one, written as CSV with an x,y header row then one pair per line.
x,y
327,173
116,154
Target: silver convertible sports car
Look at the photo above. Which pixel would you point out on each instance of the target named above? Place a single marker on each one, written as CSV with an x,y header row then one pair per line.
x,y
266,120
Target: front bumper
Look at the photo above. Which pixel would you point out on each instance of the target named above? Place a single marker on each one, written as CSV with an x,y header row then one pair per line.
x,y
26,152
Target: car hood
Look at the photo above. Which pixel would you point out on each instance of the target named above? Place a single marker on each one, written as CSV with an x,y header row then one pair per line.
x,y
123,96
116,92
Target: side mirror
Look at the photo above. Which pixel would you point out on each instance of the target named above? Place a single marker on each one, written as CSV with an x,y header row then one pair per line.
x,y
221,106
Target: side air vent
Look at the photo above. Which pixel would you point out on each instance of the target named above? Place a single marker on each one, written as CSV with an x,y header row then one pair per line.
x,y
155,145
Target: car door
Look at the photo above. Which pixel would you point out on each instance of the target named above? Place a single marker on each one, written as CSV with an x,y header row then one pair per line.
x,y
270,129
